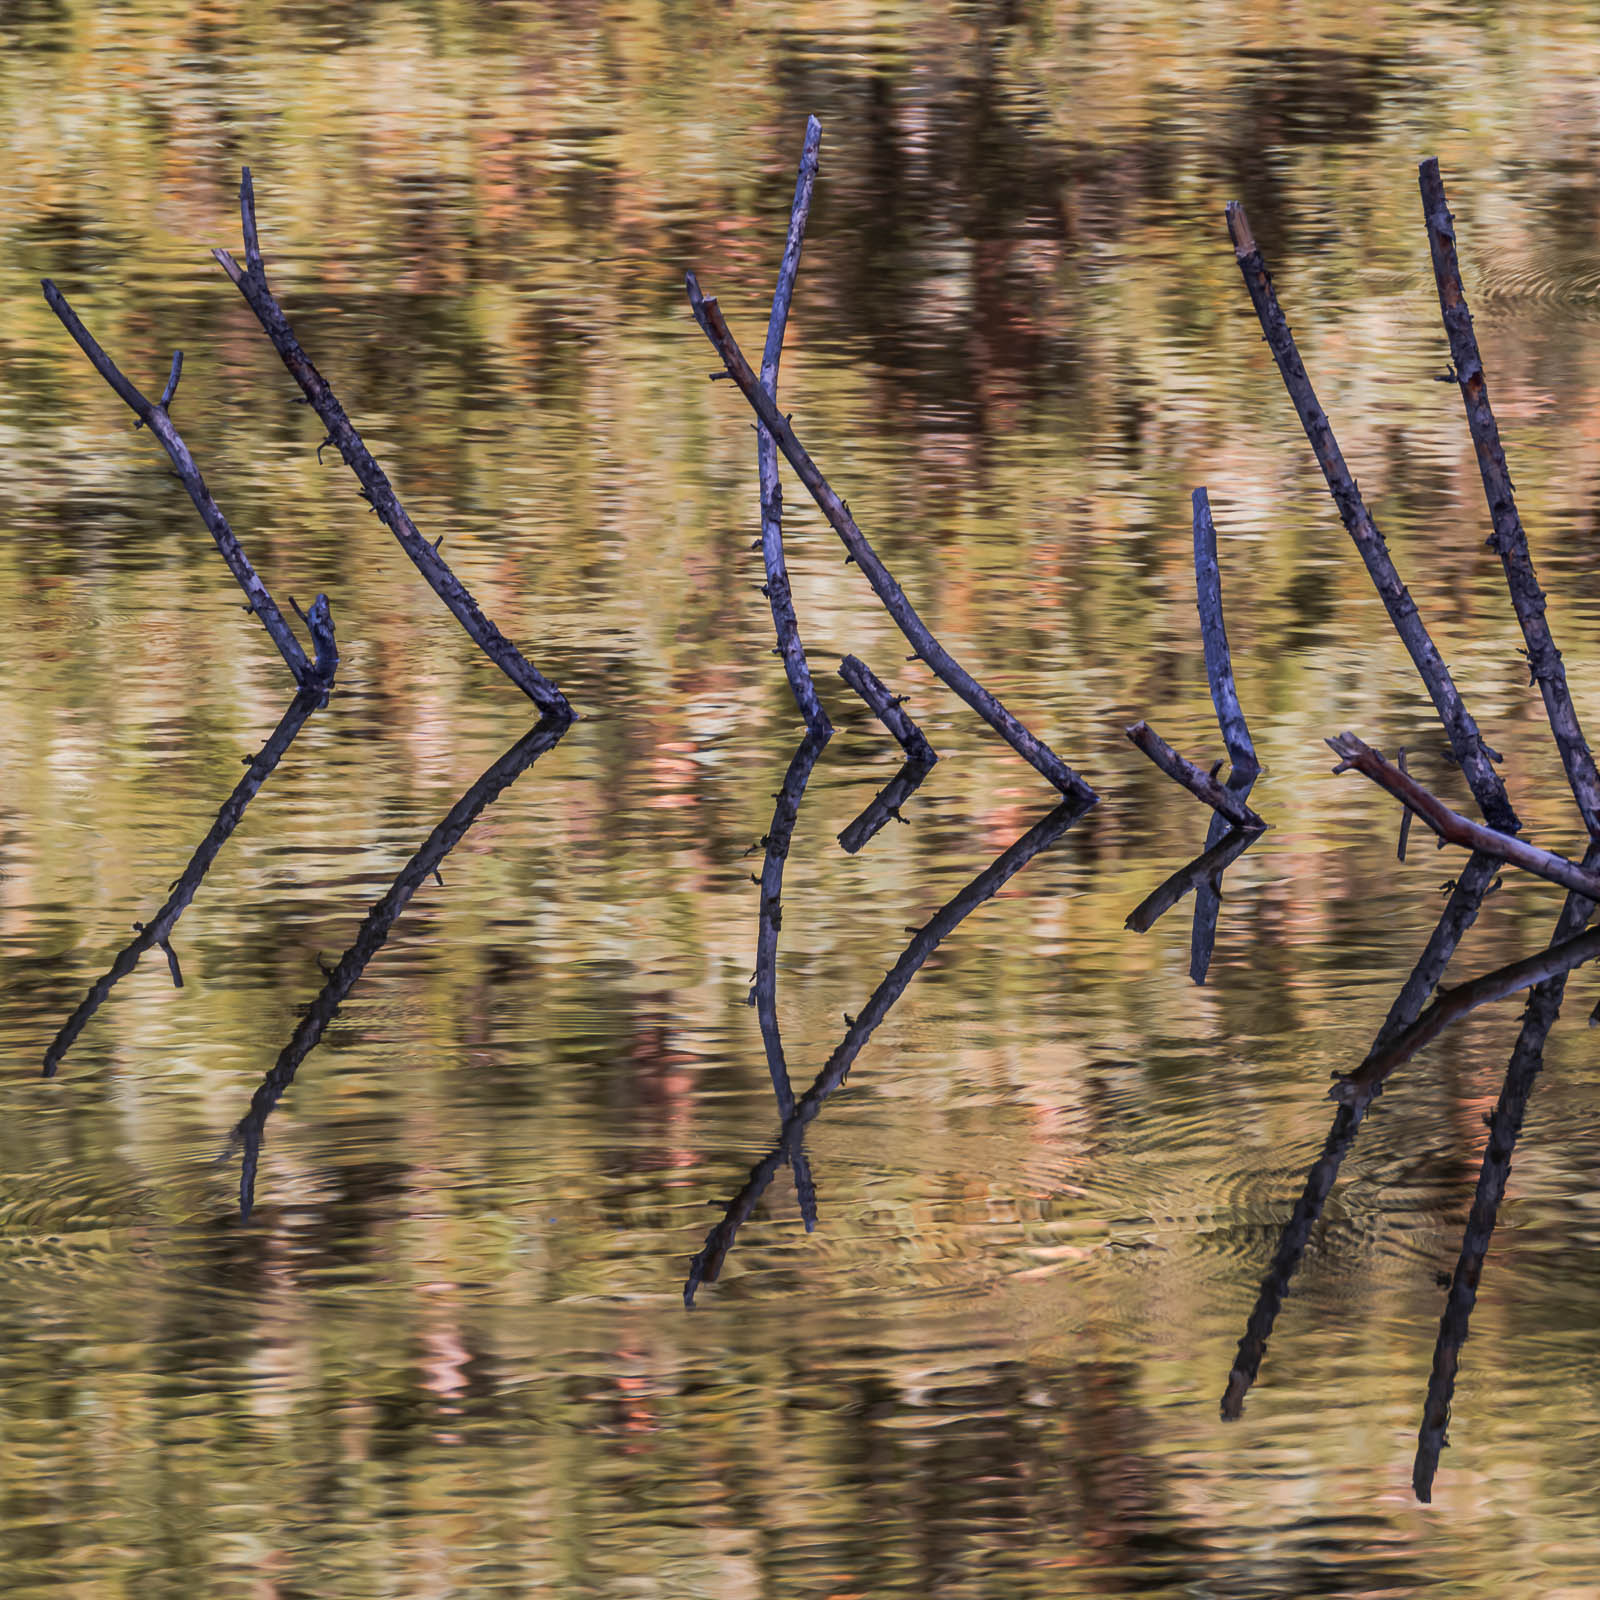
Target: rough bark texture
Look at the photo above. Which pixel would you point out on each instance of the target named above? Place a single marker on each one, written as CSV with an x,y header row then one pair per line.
x,y
1459,915
250,1129
156,418
888,710
1225,802
707,1263
1509,541
1505,1125
159,929
1214,635
1032,750
1466,743
251,280
779,596
1454,828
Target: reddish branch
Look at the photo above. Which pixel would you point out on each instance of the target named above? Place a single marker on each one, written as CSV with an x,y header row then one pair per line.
x,y
251,280
1454,828
1509,540
1032,750
1225,802
1465,741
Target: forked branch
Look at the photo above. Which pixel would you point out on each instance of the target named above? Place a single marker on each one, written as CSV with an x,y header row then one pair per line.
x,y
251,280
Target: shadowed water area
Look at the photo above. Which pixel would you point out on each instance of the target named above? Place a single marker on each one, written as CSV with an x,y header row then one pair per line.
x,y
992,1210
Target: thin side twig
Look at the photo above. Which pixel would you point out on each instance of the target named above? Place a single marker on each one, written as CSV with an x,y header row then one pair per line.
x,y
1206,869
1214,635
156,418
889,711
1032,749
251,280
1454,828
1510,540
884,807
1471,754
1225,802
779,594
1407,814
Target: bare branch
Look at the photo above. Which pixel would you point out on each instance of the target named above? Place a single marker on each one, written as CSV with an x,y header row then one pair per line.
x,y
889,711
1214,634
1225,802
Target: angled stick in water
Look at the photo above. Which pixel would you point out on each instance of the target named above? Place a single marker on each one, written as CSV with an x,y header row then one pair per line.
x,y
1505,1125
1459,915
889,710
251,280
707,1263
884,807
1204,870
1471,754
1225,802
158,418
779,595
1454,828
1032,750
158,931
250,1129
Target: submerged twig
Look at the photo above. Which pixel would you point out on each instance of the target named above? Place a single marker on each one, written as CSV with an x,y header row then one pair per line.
x,y
888,709
251,280
1200,784
1509,541
884,806
1205,870
307,674
158,931
1454,828
1032,749
779,594
1466,742
707,1263
370,937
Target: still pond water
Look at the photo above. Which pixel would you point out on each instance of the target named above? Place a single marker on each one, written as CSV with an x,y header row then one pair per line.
x,y
448,1354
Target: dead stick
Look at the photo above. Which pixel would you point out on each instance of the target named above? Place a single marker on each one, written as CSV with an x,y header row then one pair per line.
x,y
1214,635
1032,750
251,280
883,806
779,594
1454,828
1206,868
156,418
1200,784
1509,541
1408,813
1465,741
887,707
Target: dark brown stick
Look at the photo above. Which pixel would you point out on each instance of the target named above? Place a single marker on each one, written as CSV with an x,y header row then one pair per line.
x,y
777,586
156,418
883,807
887,707
1408,813
1225,802
1459,915
1206,868
1454,828
158,930
1505,1125
1032,750
251,280
1214,634
1466,742
1509,541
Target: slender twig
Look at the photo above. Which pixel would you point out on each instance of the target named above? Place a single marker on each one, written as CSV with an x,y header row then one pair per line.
x,y
1459,915
251,280
769,919
1505,1124
1407,814
1454,828
884,806
1509,541
777,586
1206,868
889,711
370,937
156,418
158,931
1214,634
707,1263
1032,750
1466,742
1201,785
